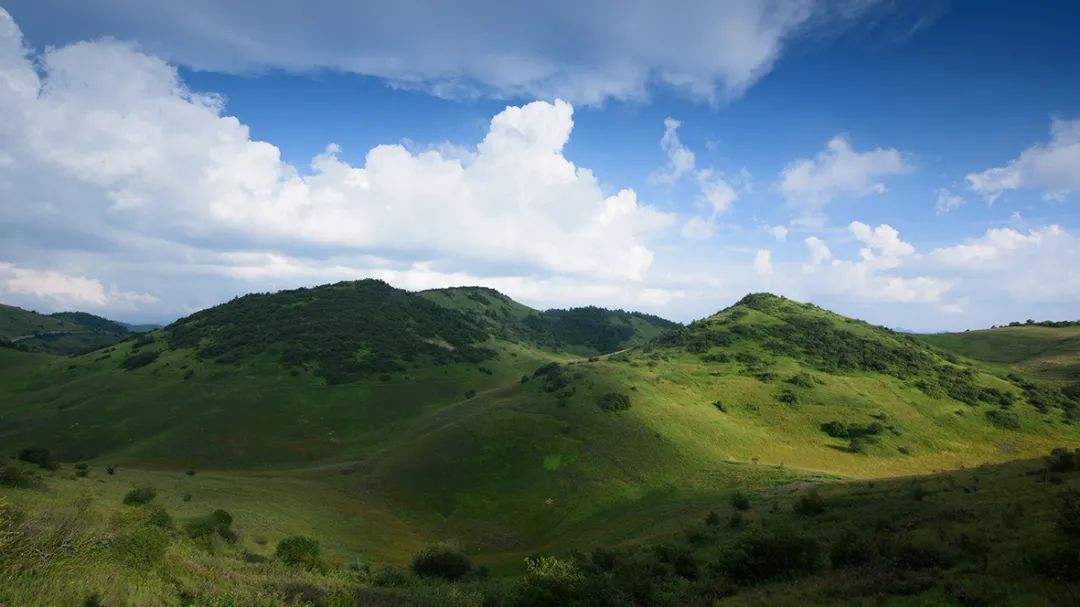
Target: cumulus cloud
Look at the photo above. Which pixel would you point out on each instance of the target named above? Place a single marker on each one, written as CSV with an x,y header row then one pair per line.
x,y
777,232
698,228
110,137
947,201
873,276
58,291
997,245
1053,167
808,184
709,50
680,159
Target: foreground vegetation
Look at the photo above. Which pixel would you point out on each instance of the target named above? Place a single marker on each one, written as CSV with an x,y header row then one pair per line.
x,y
993,535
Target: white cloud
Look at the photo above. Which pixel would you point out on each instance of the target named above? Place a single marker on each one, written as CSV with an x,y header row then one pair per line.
x,y
1053,167
716,193
777,232
111,137
59,291
996,245
708,50
680,158
763,263
818,251
873,276
947,201
698,228
808,184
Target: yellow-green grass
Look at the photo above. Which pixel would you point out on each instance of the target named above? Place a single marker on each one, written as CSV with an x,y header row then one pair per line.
x,y
1051,353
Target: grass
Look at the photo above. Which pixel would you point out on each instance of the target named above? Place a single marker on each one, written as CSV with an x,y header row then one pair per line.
x,y
1051,353
500,460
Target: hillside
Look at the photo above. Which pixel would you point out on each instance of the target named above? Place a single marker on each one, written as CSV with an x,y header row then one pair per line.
x,y
59,333
448,415
1048,352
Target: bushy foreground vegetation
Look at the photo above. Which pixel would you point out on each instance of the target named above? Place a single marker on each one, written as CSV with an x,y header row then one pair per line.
x,y
993,535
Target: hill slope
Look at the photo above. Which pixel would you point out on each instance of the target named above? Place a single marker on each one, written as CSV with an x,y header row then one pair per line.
x,y
59,333
1050,353
465,431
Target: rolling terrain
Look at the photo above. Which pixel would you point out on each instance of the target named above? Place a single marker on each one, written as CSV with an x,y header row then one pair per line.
x,y
59,333
380,421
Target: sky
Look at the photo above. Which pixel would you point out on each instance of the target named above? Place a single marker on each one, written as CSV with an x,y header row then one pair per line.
x,y
915,164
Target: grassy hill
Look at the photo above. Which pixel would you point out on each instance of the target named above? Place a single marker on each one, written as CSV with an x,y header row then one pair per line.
x,y
461,415
1050,353
59,333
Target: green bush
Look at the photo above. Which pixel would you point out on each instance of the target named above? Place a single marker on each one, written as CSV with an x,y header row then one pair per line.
x,y
1003,419
140,359
218,522
160,518
13,476
1069,512
613,401
810,504
40,456
740,501
441,562
140,495
299,550
390,577
142,548
776,556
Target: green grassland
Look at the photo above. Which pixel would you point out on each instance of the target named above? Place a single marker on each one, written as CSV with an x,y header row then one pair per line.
x,y
380,421
1051,353
59,333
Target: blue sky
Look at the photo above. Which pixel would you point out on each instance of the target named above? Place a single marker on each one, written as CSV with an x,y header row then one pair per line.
x,y
916,164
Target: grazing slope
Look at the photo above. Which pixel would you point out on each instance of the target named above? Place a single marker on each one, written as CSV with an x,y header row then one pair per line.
x,y
460,414
1047,352
59,333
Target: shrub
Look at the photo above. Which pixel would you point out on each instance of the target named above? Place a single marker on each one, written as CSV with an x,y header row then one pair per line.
x,y
740,501
787,396
851,550
720,406
160,518
548,581
782,555
857,445
82,466
39,456
1060,564
712,519
1003,419
441,562
218,522
1069,512
142,548
802,380
140,495
470,394
12,476
613,401
140,359
111,470
809,504
299,550
82,473
1063,460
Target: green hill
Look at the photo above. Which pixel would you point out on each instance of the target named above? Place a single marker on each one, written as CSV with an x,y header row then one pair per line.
x,y
1048,352
380,420
59,333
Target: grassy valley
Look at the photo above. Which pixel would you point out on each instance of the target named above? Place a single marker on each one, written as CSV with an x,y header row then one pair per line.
x,y
382,422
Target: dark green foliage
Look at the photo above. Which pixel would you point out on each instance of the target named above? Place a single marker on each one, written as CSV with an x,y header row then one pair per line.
x,y
470,393
712,519
299,550
760,558
787,396
1061,564
1069,512
857,445
345,330
140,359
802,380
1063,460
82,466
613,401
720,406
838,429
740,501
218,522
40,456
851,550
92,322
160,518
441,562
110,470
1003,419
596,328
12,476
810,504
390,577
140,496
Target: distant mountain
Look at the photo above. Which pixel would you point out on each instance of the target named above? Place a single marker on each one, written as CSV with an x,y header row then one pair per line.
x,y
141,328
58,333
1049,350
